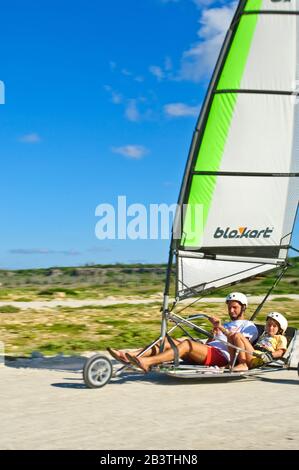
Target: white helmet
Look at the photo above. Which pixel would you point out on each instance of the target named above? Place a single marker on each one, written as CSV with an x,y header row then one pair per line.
x,y
238,297
281,320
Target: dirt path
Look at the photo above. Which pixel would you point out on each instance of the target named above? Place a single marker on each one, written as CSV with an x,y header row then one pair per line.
x,y
51,409
37,304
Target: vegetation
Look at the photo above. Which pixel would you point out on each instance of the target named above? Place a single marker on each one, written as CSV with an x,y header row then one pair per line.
x,y
66,330
90,282
99,281
91,328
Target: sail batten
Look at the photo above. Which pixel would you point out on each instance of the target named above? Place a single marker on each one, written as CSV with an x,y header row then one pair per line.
x,y
244,166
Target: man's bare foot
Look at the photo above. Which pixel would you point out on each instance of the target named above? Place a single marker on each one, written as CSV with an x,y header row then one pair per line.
x,y
120,356
138,362
240,367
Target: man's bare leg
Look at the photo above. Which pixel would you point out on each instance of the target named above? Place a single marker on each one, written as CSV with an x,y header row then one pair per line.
x,y
244,357
154,350
187,349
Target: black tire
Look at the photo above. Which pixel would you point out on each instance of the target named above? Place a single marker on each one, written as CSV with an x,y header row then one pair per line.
x,y
97,371
298,368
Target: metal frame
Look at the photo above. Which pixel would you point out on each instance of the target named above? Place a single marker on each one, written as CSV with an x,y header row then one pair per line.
x,y
269,12
255,175
278,279
207,372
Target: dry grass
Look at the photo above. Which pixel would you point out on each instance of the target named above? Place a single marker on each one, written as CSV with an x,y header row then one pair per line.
x,y
74,330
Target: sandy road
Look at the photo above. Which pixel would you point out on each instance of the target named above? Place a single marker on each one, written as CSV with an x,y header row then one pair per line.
x,y
52,409
37,304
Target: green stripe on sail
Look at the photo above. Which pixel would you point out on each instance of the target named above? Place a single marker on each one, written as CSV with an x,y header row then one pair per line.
x,y
217,130
253,5
236,61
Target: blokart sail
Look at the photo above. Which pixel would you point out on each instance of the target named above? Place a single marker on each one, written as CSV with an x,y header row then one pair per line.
x,y
243,166
239,197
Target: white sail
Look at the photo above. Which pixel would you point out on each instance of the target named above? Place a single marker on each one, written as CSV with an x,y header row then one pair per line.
x,y
244,163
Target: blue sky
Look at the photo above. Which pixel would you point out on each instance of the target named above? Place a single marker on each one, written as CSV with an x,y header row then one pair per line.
x,y
101,100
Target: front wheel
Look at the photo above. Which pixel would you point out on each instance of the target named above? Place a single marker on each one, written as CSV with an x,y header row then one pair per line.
x,y
97,371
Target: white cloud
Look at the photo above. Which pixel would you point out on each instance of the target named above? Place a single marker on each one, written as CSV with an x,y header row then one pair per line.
x,y
205,3
181,110
126,72
157,72
116,97
215,21
134,152
198,3
112,65
2,92
199,60
164,72
132,113
98,249
43,251
168,64
32,138
134,108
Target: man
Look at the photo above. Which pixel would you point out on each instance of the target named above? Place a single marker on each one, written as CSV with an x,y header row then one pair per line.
x,y
215,352
236,305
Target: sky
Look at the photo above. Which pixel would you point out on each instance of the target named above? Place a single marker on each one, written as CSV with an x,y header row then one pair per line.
x,y
101,100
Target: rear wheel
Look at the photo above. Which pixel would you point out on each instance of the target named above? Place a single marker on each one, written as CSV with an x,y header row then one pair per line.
x,y
97,371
